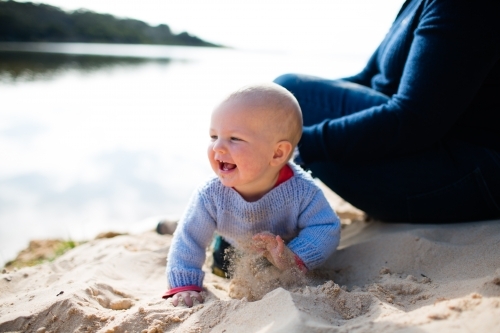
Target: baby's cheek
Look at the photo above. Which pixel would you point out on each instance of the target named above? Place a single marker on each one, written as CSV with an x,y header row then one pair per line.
x,y
210,151
252,167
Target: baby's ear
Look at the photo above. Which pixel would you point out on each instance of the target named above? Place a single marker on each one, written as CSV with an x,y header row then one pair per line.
x,y
282,153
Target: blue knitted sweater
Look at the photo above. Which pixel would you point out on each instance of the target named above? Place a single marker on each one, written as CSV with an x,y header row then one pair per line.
x,y
296,210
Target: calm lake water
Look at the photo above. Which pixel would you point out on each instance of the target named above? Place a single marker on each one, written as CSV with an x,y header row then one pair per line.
x,y
97,137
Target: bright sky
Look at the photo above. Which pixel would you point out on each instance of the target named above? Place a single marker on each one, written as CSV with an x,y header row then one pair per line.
x,y
347,26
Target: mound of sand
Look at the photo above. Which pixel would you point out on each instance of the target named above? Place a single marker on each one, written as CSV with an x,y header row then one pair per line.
x,y
383,278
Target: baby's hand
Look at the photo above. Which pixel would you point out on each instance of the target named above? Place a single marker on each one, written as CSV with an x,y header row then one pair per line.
x,y
186,296
274,249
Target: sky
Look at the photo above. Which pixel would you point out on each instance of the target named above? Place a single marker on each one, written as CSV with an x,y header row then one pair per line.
x,y
329,26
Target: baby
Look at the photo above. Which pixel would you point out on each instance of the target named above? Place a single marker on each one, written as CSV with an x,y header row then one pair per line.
x,y
257,193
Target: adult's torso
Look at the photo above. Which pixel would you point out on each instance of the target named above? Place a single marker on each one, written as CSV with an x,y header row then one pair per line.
x,y
479,121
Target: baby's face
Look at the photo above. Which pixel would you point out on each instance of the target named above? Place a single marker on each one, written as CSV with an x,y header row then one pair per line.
x,y
241,147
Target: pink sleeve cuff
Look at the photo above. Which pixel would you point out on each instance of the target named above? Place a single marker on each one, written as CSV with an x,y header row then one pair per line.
x,y
173,291
300,264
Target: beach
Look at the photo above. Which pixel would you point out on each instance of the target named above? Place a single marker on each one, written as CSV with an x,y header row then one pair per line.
x,y
383,278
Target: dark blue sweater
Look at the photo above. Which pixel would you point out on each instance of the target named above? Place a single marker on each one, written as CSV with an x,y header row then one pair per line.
x,y
440,66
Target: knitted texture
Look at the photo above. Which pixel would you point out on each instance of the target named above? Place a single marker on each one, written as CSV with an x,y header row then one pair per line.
x,y
297,210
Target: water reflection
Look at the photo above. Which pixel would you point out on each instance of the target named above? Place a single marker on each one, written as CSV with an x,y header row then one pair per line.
x,y
86,140
28,66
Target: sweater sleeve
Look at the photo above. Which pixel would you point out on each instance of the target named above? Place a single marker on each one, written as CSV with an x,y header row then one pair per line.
x,y
455,45
319,233
187,251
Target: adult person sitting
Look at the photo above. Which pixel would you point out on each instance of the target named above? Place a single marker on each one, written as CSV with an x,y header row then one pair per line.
x,y
414,137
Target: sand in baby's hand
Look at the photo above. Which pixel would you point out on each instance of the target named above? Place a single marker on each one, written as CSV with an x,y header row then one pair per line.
x,y
253,276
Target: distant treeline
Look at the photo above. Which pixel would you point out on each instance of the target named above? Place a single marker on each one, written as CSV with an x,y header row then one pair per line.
x,y
29,22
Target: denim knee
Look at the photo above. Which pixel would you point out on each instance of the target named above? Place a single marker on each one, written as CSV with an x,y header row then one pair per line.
x,y
287,81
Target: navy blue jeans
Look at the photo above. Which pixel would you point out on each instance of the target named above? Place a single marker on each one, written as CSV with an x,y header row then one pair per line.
x,y
453,181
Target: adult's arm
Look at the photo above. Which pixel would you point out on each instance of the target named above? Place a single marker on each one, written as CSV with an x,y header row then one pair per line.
x,y
455,45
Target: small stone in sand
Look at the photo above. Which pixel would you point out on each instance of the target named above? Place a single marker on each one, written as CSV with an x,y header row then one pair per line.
x,y
121,304
439,316
385,270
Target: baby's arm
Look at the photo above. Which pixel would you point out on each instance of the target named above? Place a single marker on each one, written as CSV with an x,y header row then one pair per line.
x,y
274,249
319,233
187,253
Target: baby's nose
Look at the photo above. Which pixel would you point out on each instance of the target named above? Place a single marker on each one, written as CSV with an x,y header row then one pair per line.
x,y
219,146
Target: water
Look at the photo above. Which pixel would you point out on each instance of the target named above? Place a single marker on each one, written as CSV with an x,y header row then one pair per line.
x,y
97,137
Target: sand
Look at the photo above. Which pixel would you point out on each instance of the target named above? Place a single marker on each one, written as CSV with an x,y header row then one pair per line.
x,y
383,278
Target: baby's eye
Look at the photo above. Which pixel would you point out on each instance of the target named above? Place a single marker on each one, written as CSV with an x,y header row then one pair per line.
x,y
213,137
235,139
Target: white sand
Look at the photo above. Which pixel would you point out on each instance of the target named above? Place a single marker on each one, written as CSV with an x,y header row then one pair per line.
x,y
383,278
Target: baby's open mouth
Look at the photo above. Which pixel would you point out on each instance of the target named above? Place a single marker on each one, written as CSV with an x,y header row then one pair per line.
x,y
224,166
